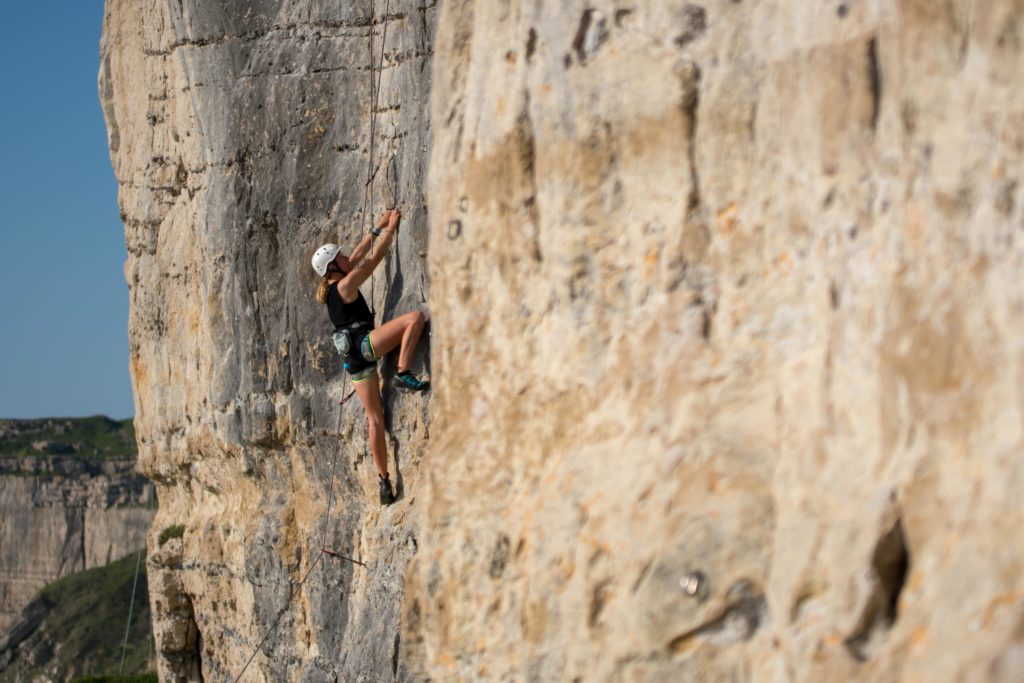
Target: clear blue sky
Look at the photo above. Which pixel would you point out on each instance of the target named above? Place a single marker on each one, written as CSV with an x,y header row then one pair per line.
x,y
63,297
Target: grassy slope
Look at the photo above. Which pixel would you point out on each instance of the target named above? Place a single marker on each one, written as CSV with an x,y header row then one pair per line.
x,y
88,612
97,436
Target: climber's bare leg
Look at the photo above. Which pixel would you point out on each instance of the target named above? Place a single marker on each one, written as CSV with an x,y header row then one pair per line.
x,y
404,330
369,393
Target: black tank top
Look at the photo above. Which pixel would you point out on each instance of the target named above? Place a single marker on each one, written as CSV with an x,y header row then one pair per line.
x,y
343,314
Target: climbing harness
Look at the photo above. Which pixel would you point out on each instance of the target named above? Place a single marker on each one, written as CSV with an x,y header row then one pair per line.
x,y
367,197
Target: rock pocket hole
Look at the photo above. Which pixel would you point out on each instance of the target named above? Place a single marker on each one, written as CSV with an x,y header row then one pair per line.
x,y
694,24
454,229
890,565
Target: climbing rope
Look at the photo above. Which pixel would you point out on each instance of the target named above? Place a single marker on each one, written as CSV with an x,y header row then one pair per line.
x,y
135,583
367,197
371,169
320,555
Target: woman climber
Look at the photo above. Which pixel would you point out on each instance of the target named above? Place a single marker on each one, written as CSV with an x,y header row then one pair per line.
x,y
357,340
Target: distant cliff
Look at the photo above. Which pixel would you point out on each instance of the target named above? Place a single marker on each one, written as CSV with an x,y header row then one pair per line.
x,y
60,514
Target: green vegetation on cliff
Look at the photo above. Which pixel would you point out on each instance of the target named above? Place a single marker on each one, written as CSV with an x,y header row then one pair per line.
x,y
93,437
82,631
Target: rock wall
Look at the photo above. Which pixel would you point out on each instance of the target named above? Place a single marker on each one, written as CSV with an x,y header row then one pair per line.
x,y
240,137
744,278
726,357
63,514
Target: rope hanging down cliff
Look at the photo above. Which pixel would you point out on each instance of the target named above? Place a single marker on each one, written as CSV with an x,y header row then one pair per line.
x,y
371,168
367,198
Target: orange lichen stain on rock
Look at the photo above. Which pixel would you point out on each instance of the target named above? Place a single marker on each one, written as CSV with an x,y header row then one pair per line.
x,y
500,105
726,220
550,478
650,264
915,581
597,543
447,661
918,638
566,567
998,171
915,225
524,529
832,640
783,263
1001,600
684,644
139,371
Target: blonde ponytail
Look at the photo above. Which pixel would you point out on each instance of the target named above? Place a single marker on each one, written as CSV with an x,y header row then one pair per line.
x,y
323,290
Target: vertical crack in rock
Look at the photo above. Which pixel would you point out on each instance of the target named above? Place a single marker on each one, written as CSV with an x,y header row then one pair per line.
x,y
690,103
394,654
579,41
527,148
598,598
590,36
531,44
874,81
890,564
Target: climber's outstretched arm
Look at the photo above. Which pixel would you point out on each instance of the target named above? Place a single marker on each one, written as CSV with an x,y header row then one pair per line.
x,y
364,246
360,251
349,285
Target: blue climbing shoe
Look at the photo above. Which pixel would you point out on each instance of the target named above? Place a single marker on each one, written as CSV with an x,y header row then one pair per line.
x,y
409,382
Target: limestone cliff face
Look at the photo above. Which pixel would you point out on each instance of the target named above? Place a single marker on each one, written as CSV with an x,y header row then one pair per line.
x,y
726,337
239,133
751,273
63,514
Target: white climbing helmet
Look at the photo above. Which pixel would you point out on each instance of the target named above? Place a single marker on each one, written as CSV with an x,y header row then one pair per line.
x,y
323,256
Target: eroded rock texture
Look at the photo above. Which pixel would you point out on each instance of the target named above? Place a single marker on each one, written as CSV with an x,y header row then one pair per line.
x,y
240,136
749,274
727,337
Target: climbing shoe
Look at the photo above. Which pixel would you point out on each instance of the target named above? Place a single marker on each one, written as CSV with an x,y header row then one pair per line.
x,y
409,382
387,494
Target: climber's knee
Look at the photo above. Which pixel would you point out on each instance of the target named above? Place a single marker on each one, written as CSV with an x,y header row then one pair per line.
x,y
376,423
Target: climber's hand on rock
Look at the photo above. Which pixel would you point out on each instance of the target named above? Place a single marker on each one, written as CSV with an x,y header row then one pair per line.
x,y
383,219
396,216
